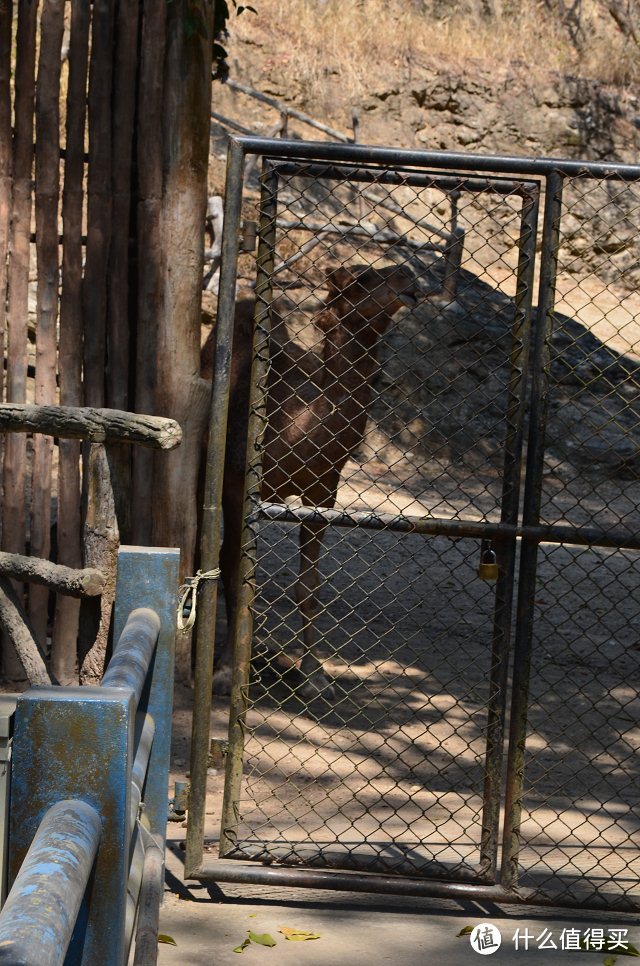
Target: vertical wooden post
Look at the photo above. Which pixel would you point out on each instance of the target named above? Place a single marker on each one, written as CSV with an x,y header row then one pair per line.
x,y
65,629
94,290
6,13
47,195
14,509
118,327
179,392
150,247
101,544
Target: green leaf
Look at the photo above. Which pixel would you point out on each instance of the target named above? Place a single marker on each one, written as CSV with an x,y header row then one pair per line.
x,y
243,946
466,931
262,939
169,940
609,961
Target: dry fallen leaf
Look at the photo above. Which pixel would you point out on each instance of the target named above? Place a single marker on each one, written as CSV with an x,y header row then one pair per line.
x,y
297,935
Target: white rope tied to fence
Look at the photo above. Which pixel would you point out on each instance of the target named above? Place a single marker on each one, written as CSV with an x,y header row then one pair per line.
x,y
190,590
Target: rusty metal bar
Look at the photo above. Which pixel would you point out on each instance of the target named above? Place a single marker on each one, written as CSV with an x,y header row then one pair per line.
x,y
368,174
531,517
246,577
506,547
441,526
211,512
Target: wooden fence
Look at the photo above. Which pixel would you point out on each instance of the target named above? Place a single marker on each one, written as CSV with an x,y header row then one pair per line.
x,y
99,284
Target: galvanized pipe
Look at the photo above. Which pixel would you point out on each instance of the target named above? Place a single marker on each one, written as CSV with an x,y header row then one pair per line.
x,y
211,511
246,577
441,526
505,547
529,552
367,155
245,873
129,666
40,913
369,174
146,949
141,765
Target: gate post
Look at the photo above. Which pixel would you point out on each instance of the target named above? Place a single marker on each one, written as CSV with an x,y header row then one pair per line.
x,y
149,577
77,743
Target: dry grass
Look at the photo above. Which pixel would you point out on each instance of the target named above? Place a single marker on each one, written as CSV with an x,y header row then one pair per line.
x,y
359,41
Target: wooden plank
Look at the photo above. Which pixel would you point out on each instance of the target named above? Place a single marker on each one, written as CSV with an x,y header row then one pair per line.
x,y
94,289
47,197
118,328
14,510
6,13
95,425
67,613
151,254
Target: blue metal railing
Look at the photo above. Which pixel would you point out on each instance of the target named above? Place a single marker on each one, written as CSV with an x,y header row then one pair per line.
x,y
89,791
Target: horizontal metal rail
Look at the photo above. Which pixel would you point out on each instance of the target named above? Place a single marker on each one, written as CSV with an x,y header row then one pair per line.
x,y
426,178
439,526
40,913
146,950
368,156
130,663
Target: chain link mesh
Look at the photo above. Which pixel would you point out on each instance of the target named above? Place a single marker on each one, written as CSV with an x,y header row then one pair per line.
x,y
391,762
580,818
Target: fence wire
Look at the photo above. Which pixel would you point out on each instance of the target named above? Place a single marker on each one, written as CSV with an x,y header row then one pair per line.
x,y
402,373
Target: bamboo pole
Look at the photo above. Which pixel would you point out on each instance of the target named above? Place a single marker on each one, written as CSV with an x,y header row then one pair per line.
x,y
14,511
65,625
47,197
118,328
94,289
150,245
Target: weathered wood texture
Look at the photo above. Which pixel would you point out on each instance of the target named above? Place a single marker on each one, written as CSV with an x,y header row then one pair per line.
x,y
14,511
6,12
16,626
95,425
67,613
46,198
101,542
178,390
76,583
94,290
151,257
117,318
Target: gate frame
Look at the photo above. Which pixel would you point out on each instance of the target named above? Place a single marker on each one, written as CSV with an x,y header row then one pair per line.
x,y
530,532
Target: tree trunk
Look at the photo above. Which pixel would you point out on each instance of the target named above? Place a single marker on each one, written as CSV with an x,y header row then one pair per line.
x,y
179,391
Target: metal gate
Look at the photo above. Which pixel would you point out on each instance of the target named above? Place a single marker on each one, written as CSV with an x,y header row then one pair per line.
x,y
478,554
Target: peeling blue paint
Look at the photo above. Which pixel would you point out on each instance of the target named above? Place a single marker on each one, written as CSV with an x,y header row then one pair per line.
x,y
76,746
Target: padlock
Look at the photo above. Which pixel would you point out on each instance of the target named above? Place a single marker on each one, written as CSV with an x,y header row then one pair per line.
x,y
488,569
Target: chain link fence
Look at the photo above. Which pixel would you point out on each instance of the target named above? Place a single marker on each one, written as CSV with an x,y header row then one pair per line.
x,y
440,547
